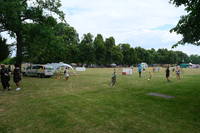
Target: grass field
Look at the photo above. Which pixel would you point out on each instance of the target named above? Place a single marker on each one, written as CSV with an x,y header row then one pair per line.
x,y
87,104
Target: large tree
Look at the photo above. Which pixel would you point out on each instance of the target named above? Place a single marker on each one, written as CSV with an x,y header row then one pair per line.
x,y
117,55
182,57
99,47
142,55
43,44
189,25
15,14
70,38
129,54
109,44
4,49
86,47
195,59
153,57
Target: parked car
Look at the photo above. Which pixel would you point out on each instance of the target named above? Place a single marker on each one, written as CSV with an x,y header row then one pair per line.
x,y
39,71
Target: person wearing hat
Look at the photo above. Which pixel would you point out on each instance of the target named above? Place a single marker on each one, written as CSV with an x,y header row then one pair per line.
x,y
5,77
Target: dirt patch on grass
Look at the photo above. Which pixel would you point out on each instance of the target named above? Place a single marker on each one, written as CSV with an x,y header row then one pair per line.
x,y
2,110
161,95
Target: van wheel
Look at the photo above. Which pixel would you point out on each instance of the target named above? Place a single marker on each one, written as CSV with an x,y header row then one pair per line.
x,y
38,75
42,76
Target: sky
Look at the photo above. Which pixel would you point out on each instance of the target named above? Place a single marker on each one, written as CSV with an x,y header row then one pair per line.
x,y
144,23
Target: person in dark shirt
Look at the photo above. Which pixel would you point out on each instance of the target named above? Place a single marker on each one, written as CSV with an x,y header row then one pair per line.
x,y
17,76
5,77
167,73
114,78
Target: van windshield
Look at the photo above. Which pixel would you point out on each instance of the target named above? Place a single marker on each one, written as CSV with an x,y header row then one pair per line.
x,y
48,68
37,67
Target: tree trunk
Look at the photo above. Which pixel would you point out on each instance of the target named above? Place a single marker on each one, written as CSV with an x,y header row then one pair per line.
x,y
19,49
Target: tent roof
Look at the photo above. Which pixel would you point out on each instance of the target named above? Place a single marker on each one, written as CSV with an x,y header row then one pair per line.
x,y
58,65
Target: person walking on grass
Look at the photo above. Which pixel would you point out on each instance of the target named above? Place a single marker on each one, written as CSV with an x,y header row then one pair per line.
x,y
114,78
17,76
66,73
167,74
150,75
178,72
140,70
5,77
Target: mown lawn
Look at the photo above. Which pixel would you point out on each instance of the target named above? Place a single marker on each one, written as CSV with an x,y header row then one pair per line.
x,y
87,104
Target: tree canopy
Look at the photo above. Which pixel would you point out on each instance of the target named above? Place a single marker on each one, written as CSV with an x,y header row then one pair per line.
x,y
4,48
16,14
189,24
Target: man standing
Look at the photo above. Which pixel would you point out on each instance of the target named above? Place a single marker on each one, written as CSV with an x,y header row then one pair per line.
x,y
5,77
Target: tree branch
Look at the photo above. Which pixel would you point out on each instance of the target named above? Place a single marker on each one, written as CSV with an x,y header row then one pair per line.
x,y
23,2
2,29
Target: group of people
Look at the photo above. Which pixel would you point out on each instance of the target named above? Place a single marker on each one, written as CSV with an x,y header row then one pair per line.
x,y
177,70
60,72
5,74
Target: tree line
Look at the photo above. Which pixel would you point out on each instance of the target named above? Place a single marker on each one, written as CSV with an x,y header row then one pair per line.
x,y
59,42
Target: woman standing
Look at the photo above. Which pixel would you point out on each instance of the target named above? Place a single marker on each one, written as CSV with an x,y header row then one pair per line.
x,y
178,72
17,76
167,74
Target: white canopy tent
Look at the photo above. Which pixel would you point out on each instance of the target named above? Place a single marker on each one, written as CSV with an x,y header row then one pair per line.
x,y
58,65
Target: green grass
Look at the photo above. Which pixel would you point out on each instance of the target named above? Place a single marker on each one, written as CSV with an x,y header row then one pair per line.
x,y
87,104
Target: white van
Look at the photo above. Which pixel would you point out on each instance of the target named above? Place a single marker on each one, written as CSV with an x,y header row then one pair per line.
x,y
39,71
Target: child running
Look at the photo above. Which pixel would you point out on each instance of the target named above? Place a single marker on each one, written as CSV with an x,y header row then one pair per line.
x,y
66,73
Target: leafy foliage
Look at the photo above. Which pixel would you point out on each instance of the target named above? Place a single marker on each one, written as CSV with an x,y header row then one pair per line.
x,y
195,59
87,52
189,25
16,14
47,43
99,47
4,49
109,44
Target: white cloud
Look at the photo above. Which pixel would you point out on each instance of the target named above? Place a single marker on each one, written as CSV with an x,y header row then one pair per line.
x,y
121,14
129,21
